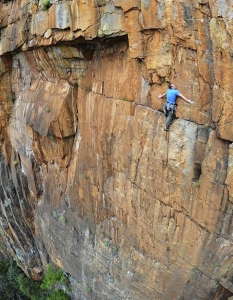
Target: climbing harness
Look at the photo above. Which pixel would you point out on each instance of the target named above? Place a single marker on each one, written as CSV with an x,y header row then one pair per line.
x,y
169,106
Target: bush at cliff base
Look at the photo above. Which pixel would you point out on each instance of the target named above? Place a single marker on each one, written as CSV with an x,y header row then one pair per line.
x,y
15,285
9,287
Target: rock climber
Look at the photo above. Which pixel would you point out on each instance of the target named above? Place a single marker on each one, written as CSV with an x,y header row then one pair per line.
x,y
169,107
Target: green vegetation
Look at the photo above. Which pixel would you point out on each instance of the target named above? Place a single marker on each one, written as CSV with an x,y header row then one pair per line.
x,y
55,214
15,284
52,277
29,288
45,5
88,289
197,184
111,280
9,287
63,219
58,295
114,251
107,243
47,109
17,259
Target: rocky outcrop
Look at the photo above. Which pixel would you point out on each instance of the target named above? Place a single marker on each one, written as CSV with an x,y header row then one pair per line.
x,y
89,179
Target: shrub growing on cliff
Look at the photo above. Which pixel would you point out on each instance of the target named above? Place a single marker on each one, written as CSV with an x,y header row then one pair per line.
x,y
45,5
197,184
63,220
53,276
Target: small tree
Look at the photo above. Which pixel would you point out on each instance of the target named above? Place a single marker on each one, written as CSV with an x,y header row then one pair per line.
x,y
30,289
53,276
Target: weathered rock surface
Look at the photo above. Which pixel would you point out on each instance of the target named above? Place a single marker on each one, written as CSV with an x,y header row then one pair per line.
x,y
89,180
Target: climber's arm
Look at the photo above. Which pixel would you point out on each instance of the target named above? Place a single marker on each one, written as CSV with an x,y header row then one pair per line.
x,y
161,96
183,97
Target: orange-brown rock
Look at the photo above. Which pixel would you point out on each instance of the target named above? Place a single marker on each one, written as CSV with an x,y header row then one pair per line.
x,y
89,179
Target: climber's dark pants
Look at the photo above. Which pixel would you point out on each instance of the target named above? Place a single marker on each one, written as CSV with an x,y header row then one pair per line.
x,y
170,117
170,113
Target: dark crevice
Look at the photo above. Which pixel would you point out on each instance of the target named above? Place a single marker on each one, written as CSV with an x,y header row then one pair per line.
x,y
196,171
222,293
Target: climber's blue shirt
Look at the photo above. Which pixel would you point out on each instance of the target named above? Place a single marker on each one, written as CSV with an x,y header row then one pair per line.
x,y
172,95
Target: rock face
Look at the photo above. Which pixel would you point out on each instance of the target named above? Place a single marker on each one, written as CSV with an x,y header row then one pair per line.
x,y
89,179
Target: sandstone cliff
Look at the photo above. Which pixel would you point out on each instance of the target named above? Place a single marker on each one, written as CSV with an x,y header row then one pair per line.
x,y
89,179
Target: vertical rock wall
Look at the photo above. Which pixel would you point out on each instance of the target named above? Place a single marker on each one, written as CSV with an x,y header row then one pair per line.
x,y
89,179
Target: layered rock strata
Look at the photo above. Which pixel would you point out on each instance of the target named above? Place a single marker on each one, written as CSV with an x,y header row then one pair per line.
x,y
89,179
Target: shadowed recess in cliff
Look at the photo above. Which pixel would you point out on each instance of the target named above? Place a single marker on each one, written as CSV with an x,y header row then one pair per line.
x,y
17,220
222,294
